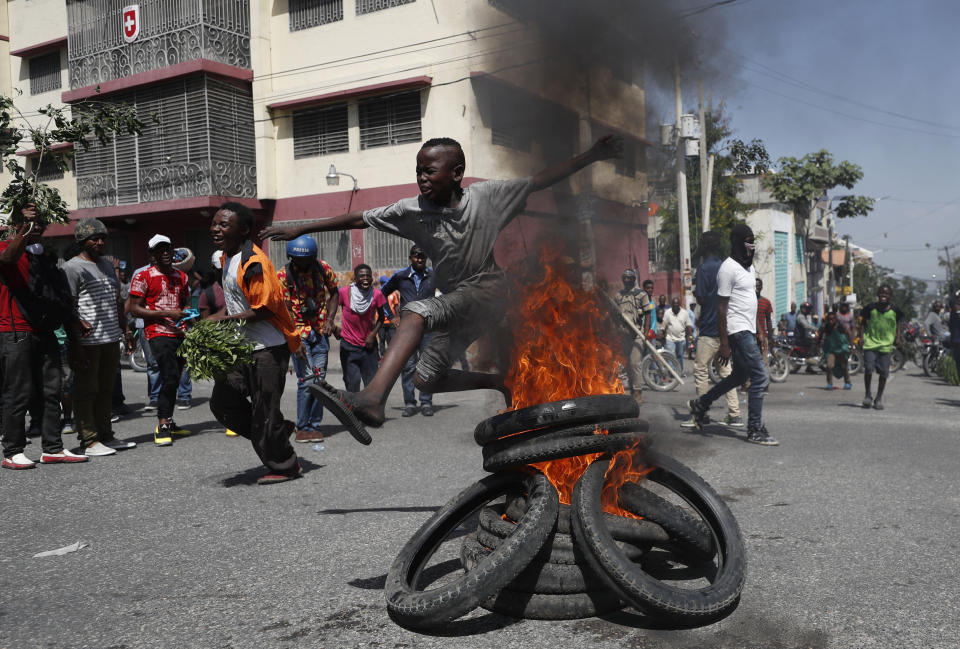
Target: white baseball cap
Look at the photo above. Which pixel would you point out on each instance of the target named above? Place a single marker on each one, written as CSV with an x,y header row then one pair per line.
x,y
215,259
156,240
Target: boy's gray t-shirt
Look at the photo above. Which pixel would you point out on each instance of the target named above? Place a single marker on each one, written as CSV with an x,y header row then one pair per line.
x,y
96,287
459,241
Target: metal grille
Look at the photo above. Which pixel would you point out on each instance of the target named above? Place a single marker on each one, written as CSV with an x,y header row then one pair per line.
x,y
310,13
626,165
332,247
48,169
45,73
171,31
319,131
383,250
203,145
369,6
390,120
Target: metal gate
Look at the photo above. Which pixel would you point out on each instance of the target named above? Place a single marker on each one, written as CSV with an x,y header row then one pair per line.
x,y
781,270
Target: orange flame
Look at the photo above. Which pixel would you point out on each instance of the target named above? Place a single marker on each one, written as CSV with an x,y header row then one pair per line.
x,y
565,348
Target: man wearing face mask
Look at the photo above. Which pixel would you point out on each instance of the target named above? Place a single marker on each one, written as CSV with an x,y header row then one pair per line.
x,y
737,324
34,301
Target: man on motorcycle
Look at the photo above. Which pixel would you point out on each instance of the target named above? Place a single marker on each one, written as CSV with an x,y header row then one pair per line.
x,y
805,333
934,323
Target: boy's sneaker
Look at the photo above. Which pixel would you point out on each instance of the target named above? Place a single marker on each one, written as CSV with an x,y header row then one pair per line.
x,y
114,417
761,436
183,404
162,436
63,457
735,422
698,412
877,405
688,423
867,401
179,431
18,461
119,444
97,449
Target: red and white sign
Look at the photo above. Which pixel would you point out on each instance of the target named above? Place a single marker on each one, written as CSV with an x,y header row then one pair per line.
x,y
131,23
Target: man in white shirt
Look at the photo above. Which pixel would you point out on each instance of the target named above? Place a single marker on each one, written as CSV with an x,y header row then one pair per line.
x,y
677,330
736,316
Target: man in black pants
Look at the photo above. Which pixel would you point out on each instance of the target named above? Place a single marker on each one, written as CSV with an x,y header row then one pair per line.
x,y
159,295
414,282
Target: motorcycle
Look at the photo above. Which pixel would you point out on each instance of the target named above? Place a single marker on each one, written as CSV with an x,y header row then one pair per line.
x,y
778,366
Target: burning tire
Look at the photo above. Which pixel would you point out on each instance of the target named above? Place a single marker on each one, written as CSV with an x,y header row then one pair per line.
x,y
556,414
414,608
629,530
689,532
696,604
657,377
553,448
616,426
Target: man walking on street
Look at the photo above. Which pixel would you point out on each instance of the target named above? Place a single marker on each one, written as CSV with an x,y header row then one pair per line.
x,y
880,327
361,321
708,342
764,319
415,282
789,320
636,308
677,330
648,289
310,291
736,322
29,352
247,399
159,296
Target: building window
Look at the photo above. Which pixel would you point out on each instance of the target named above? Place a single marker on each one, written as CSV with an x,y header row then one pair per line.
x,y
310,13
48,169
45,73
653,246
369,6
626,165
390,120
319,131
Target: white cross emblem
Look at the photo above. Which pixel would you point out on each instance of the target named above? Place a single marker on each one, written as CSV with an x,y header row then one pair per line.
x,y
130,23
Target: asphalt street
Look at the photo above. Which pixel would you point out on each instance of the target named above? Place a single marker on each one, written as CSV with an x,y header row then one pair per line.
x,y
851,527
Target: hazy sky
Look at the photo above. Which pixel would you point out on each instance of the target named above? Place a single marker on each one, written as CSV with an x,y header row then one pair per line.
x,y
807,62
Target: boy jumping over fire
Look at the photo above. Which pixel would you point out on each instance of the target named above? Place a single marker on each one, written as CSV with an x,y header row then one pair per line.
x,y
457,228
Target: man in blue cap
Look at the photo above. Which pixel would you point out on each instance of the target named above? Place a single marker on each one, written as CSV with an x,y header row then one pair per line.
x,y
310,292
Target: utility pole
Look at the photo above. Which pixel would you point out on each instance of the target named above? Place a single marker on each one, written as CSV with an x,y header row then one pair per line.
x,y
705,174
946,251
682,217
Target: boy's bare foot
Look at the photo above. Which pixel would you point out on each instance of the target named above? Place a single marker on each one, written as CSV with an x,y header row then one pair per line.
x,y
351,409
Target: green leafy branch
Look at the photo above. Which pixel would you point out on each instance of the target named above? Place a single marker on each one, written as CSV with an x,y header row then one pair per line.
x,y
211,349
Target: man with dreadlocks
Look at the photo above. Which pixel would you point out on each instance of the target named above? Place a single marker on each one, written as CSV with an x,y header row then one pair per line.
x,y
456,227
737,325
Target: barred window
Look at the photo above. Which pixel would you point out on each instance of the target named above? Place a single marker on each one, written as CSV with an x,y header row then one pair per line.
x,y
383,250
310,13
626,165
390,120
332,247
369,6
45,73
48,169
319,131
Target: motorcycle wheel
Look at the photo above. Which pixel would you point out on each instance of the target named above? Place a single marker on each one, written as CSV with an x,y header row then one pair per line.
x,y
855,361
713,370
656,377
897,360
779,363
930,362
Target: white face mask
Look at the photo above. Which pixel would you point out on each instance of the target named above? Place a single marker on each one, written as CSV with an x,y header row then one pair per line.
x,y
35,248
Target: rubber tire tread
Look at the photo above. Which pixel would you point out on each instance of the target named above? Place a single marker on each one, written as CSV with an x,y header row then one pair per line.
x,y
687,531
538,606
633,425
635,586
627,530
542,450
416,609
585,410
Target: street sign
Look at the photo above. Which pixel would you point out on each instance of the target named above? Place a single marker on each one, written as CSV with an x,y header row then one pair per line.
x,y
130,22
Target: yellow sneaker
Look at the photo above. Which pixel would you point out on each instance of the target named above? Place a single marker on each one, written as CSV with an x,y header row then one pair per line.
x,y
178,431
230,433
162,436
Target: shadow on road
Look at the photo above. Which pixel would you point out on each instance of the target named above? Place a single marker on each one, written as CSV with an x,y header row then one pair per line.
x,y
362,510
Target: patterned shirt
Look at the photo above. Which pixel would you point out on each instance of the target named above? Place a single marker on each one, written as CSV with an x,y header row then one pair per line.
x,y
311,285
764,313
97,290
161,292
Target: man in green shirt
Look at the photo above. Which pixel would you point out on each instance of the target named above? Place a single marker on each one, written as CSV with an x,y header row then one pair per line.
x,y
880,325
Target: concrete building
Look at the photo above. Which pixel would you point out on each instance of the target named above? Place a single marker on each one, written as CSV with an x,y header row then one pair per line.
x,y
260,101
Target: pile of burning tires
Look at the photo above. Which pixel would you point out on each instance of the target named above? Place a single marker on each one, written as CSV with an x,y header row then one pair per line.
x,y
508,545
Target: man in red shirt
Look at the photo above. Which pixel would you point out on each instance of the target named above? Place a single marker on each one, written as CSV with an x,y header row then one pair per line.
x,y
28,347
159,295
764,319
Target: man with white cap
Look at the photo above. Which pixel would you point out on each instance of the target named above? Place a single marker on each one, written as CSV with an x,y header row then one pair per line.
x,y
159,295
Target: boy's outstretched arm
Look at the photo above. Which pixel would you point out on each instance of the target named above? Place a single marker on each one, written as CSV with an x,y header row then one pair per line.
x,y
609,146
351,221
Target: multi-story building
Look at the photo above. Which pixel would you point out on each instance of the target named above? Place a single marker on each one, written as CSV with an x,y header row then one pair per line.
x,y
266,102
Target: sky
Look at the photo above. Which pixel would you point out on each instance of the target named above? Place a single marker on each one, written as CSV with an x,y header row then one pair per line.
x,y
796,69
